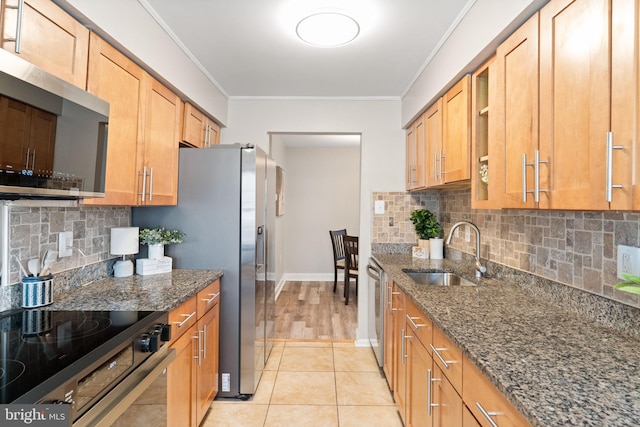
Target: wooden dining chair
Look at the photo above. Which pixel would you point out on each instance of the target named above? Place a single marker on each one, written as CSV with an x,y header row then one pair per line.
x,y
338,253
350,265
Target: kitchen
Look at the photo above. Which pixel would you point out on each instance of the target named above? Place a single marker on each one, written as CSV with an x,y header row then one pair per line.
x,y
382,144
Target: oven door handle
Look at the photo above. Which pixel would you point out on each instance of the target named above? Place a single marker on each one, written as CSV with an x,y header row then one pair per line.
x,y
113,404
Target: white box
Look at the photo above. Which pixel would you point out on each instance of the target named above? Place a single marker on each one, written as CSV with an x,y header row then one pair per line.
x,y
146,266
420,252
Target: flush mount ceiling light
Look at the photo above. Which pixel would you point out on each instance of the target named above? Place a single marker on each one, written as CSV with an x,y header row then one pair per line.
x,y
327,29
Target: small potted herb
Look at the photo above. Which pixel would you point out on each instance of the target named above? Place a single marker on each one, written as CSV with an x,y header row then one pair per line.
x,y
428,228
631,284
156,238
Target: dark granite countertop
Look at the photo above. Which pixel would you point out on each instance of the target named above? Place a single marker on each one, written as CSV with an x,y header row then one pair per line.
x,y
556,367
157,292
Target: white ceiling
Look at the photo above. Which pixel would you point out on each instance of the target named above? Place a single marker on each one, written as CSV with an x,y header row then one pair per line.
x,y
249,47
319,140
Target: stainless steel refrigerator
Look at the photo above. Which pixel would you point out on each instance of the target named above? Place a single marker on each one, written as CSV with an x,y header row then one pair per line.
x,y
226,207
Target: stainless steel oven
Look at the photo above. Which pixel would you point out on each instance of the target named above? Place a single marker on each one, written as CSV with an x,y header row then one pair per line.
x,y
99,363
376,309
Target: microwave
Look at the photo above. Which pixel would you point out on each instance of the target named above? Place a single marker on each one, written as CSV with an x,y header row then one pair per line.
x,y
53,135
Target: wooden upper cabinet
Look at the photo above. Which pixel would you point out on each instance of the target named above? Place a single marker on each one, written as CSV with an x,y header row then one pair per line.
x,y
456,132
575,103
198,129
433,141
411,157
160,154
516,115
49,38
484,195
116,79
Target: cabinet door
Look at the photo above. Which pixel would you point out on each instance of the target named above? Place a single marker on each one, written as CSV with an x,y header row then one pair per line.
x,y
400,359
468,420
161,142
50,39
421,153
212,134
448,404
456,132
120,82
433,141
516,112
194,128
575,102
207,362
389,337
181,381
411,157
15,122
419,364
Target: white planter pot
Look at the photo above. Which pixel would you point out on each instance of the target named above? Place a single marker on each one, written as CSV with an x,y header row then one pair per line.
x,y
436,248
156,251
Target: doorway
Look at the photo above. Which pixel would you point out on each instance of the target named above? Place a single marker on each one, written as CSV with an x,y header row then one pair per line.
x,y
321,176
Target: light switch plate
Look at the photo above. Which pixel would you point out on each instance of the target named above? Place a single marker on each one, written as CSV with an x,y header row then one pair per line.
x,y
65,244
378,207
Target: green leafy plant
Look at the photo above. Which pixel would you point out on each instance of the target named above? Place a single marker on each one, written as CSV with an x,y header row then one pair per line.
x,y
160,236
631,284
426,224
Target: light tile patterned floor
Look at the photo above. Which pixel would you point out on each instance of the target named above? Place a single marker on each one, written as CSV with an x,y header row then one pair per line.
x,y
313,383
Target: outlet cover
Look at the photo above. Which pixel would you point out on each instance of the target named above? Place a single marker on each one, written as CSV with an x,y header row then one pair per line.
x,y
65,244
628,260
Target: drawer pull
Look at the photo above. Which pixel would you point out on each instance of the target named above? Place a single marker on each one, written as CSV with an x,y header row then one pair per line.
x,y
188,316
411,319
210,300
430,380
487,415
437,351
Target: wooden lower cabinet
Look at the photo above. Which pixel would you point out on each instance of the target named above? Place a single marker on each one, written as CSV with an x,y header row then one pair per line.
x,y
468,420
426,392
207,362
399,351
388,334
193,377
181,385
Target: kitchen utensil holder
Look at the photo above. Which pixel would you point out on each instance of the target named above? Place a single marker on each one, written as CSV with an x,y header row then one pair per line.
x,y
37,291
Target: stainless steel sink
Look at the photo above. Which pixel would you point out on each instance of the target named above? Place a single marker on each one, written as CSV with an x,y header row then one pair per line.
x,y
438,279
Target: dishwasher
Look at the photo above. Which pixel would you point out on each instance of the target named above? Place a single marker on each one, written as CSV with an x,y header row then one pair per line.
x,y
376,309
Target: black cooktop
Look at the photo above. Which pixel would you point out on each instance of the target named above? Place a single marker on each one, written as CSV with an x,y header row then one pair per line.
x,y
38,345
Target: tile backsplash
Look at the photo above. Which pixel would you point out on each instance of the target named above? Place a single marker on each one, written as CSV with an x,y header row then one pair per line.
x,y
33,230
575,248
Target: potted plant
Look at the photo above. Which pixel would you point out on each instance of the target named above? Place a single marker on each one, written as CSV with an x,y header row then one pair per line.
x,y
428,228
631,284
156,238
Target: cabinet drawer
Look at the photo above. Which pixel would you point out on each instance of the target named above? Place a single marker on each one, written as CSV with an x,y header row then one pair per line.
x,y
208,297
479,392
182,318
448,357
420,324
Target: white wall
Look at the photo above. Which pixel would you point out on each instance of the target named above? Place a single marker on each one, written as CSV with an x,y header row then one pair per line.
x,y
322,193
475,39
382,147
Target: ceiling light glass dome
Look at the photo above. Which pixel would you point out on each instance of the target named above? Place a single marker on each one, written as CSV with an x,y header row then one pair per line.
x,y
327,29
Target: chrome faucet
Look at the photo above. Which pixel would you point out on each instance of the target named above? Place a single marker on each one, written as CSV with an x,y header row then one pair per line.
x,y
479,267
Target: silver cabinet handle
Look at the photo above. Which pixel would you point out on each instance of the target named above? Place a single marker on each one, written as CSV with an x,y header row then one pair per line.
x,y
150,184
430,380
536,177
610,184
487,415
197,337
411,319
188,316
210,300
437,351
403,345
393,293
26,165
204,343
442,171
144,184
33,161
18,38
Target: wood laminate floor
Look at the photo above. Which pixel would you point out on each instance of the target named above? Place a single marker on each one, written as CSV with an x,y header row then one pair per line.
x,y
312,311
